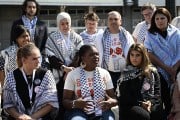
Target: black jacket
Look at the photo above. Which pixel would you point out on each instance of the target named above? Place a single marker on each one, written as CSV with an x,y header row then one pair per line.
x,y
132,91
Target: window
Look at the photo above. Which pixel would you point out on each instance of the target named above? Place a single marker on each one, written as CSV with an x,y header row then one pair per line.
x,y
99,11
43,12
48,12
72,11
81,11
107,10
53,12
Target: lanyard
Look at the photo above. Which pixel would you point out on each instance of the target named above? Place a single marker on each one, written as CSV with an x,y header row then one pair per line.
x,y
30,88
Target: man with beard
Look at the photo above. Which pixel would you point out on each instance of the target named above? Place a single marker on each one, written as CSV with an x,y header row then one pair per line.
x,y
37,28
116,43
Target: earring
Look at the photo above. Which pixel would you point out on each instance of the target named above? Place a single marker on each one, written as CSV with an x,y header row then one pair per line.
x,y
83,65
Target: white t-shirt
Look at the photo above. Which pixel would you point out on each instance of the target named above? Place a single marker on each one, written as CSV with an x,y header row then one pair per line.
x,y
72,81
116,59
94,39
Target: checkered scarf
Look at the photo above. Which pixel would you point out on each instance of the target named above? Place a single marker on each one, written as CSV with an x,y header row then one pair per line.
x,y
106,40
99,92
9,57
64,51
30,25
142,32
47,94
56,41
129,74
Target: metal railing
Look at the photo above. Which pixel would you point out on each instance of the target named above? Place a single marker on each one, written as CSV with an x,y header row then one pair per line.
x,y
76,29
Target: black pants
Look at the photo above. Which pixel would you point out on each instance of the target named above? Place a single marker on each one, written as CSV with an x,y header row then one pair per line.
x,y
114,76
60,89
165,95
51,115
134,113
139,113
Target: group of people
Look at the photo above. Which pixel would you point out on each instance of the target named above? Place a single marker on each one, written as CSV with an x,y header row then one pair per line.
x,y
71,76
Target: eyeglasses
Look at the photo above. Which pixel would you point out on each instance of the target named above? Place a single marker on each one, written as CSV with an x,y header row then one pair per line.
x,y
147,14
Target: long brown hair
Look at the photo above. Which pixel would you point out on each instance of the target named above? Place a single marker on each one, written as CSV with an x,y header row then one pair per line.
x,y
153,28
146,64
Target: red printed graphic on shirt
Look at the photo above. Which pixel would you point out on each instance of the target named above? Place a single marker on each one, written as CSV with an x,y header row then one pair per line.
x,y
115,48
90,84
118,51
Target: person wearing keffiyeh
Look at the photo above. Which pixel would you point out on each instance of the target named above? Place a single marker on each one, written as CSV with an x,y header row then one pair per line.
x,y
141,28
29,91
61,47
37,28
138,88
8,55
116,42
88,90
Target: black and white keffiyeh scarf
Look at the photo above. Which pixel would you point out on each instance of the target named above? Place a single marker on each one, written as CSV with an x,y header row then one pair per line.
x,y
106,40
55,46
99,92
128,74
30,25
142,32
9,56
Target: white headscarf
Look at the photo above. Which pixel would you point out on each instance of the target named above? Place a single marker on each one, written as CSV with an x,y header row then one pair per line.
x,y
63,15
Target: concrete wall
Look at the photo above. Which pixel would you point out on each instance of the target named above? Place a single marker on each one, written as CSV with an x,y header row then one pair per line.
x,y
177,2
156,2
68,2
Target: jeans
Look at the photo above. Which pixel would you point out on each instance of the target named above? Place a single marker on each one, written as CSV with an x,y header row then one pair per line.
x,y
78,114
